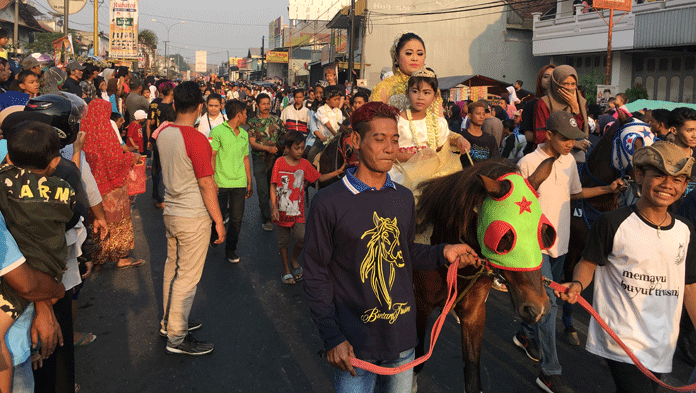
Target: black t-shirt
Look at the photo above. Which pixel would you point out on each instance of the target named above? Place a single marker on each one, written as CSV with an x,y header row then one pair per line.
x,y
72,86
482,147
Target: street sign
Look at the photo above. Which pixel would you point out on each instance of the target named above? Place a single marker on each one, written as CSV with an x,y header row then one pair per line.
x,y
74,6
618,5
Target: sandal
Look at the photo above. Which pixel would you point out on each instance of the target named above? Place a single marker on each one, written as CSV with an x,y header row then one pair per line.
x,y
297,273
133,263
288,279
87,338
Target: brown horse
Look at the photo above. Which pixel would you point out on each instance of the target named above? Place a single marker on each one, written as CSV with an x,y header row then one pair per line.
x,y
449,205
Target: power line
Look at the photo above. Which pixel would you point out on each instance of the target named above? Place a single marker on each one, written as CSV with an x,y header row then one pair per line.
x,y
528,6
468,8
205,21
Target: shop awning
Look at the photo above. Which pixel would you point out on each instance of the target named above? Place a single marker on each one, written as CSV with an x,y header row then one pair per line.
x,y
449,82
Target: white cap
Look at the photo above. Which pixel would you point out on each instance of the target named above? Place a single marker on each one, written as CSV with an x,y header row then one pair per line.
x,y
140,115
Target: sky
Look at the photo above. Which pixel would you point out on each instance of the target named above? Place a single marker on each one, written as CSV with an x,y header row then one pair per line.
x,y
211,25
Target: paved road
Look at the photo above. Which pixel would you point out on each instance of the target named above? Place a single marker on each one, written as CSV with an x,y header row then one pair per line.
x,y
264,338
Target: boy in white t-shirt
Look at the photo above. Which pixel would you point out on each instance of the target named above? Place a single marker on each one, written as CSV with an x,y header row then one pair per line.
x,y
328,118
644,267
555,194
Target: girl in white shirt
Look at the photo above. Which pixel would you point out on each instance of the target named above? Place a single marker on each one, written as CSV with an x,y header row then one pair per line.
x,y
419,129
214,117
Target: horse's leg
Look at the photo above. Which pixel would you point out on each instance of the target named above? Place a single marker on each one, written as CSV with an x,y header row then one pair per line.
x,y
472,314
427,287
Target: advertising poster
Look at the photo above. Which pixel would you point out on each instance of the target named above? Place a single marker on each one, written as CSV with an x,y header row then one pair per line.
x,y
201,61
123,29
276,57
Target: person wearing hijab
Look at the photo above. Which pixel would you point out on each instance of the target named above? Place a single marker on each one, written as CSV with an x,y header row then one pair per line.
x,y
52,81
110,167
100,84
562,95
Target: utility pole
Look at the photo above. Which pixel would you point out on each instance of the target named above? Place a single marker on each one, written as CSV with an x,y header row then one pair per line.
x,y
95,46
15,38
351,46
290,57
65,18
263,54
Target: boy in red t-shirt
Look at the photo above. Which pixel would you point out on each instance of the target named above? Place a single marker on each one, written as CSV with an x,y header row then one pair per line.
x,y
287,200
134,135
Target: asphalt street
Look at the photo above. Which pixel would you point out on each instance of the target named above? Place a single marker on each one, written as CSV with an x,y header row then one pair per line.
x,y
264,338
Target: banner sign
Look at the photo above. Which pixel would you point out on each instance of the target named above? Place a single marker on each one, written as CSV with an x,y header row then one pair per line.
x,y
201,61
123,29
276,57
619,5
242,63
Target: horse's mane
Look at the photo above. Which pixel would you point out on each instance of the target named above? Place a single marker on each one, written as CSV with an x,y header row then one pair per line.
x,y
608,138
450,203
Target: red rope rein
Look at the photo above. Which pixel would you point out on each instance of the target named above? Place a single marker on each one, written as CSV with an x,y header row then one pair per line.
x,y
452,295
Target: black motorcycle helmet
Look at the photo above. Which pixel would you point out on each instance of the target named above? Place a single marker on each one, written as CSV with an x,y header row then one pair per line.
x,y
66,111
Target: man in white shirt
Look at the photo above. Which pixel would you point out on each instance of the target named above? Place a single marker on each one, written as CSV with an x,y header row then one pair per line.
x,y
213,117
555,194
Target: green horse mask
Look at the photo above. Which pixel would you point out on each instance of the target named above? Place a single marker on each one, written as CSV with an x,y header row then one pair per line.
x,y
512,230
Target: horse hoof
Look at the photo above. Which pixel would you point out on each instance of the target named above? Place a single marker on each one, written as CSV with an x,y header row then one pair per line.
x,y
571,336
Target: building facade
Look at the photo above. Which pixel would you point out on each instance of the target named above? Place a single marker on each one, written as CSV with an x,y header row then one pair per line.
x,y
495,41
653,45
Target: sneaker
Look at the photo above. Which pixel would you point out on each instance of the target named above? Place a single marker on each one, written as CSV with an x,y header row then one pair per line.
x,y
190,346
552,384
267,226
528,346
192,325
233,257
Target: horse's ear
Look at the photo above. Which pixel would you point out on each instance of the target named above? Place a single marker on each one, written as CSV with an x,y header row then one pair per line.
x,y
496,189
375,219
541,173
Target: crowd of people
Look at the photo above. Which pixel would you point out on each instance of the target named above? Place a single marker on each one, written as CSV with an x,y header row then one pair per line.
x,y
73,146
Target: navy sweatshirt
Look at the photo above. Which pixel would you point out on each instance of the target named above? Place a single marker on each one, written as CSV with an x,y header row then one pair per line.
x,y
359,253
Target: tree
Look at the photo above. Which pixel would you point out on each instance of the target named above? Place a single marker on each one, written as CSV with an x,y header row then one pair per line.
x,y
637,92
590,81
148,39
43,42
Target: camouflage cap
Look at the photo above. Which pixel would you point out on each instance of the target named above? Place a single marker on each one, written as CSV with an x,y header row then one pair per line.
x,y
666,157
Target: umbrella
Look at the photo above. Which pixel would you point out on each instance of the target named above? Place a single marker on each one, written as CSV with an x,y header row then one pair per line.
x,y
654,104
42,58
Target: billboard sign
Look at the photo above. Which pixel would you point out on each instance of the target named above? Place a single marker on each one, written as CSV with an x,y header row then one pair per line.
x,y
276,57
201,61
123,29
619,5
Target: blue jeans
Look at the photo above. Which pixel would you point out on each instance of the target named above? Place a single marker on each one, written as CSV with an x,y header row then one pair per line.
x,y
367,382
545,330
692,379
23,378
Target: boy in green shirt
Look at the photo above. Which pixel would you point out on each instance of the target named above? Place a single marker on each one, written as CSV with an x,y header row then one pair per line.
x,y
232,168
